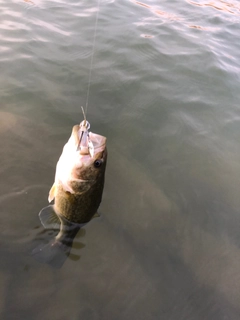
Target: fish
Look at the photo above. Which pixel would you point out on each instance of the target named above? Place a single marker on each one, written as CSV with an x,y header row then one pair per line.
x,y
76,191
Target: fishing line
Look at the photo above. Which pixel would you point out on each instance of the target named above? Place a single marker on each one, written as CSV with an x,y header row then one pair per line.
x,y
84,116
91,63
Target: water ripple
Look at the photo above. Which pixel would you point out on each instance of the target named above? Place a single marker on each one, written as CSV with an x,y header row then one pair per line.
x,y
187,21
51,27
223,6
156,11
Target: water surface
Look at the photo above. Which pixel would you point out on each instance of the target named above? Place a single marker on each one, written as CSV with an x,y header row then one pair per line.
x,y
165,92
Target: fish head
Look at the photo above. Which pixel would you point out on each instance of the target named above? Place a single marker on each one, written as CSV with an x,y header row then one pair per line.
x,y
78,167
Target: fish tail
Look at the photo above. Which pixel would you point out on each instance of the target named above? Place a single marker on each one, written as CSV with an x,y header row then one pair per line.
x,y
54,253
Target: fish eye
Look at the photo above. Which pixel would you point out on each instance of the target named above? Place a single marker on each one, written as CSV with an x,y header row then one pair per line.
x,y
97,163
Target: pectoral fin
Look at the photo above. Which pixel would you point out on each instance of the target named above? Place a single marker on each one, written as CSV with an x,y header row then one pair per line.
x,y
51,195
49,218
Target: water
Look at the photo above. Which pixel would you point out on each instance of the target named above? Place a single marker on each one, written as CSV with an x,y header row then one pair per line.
x,y
165,92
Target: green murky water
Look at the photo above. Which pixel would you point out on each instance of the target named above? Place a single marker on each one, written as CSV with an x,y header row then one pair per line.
x,y
165,92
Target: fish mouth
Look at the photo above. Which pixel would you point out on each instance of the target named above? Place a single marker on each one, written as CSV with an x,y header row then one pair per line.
x,y
87,143
97,139
94,143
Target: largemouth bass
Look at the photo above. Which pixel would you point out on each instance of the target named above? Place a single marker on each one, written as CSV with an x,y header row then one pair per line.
x,y
77,191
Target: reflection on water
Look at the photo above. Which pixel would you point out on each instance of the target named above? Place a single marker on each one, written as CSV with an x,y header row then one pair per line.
x,y
29,1
161,13
183,18
229,7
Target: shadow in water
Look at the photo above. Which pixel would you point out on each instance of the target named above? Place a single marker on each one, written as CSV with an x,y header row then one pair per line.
x,y
58,235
